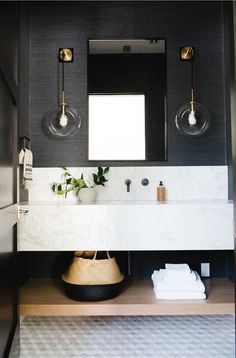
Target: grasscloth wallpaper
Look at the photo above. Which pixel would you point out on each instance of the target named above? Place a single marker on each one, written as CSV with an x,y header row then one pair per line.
x,y
71,24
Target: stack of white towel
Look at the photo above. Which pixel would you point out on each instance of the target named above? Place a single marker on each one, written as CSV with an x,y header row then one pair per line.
x,y
178,281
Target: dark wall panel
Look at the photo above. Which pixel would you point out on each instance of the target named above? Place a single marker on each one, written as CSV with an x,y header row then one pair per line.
x,y
71,24
24,69
8,171
142,263
55,263
6,144
6,286
9,45
24,78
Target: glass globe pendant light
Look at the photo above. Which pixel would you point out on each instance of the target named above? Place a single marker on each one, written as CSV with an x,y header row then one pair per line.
x,y
62,121
192,119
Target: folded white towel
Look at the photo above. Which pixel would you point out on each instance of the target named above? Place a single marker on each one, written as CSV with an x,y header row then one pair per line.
x,y
178,267
182,286
175,275
26,158
179,295
172,276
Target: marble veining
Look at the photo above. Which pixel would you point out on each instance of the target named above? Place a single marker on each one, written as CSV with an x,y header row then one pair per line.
x,y
196,216
182,183
170,226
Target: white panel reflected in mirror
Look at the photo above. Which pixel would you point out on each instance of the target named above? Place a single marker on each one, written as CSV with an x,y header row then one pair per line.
x,y
117,127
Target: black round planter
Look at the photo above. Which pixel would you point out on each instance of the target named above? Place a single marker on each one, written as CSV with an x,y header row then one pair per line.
x,y
92,292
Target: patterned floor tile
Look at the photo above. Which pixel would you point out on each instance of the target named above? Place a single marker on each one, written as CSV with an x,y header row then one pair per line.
x,y
133,337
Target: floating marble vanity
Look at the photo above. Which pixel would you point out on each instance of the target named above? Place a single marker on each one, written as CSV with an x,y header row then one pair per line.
x,y
197,216
133,225
137,225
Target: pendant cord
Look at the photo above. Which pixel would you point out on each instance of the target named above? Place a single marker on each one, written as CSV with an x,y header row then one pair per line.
x,y
192,77
63,105
62,85
192,86
62,77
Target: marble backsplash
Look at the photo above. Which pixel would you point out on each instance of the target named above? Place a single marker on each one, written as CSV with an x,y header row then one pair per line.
x,y
182,183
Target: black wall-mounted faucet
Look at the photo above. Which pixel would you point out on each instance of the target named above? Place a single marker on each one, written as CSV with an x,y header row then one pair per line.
x,y
127,183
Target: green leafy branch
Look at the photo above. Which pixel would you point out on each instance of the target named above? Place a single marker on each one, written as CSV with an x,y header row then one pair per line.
x,y
75,184
99,178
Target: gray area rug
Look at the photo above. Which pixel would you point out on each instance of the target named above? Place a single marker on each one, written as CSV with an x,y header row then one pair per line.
x,y
133,337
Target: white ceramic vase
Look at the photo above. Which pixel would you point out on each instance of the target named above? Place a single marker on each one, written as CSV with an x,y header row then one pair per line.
x,y
87,195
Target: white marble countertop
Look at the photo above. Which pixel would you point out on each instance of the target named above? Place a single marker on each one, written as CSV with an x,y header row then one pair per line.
x,y
127,225
65,202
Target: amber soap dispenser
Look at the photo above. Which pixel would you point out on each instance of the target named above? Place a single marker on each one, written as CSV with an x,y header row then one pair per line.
x,y
161,192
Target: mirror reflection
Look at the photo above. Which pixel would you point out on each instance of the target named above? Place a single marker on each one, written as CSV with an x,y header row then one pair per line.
x,y
127,91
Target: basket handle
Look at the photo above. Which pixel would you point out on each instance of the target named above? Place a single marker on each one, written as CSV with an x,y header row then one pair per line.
x,y
95,255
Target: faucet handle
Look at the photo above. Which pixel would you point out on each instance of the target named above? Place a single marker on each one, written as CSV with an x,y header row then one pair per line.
x,y
145,182
127,183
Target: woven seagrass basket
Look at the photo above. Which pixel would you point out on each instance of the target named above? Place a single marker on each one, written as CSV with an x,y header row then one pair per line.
x,y
92,279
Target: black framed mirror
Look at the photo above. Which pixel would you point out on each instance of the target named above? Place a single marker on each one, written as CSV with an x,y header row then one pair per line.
x,y
127,100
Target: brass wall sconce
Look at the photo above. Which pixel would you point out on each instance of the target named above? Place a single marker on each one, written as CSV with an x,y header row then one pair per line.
x,y
62,121
66,55
187,53
192,119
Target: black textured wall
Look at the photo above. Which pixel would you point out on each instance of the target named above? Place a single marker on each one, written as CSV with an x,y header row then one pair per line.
x,y
142,263
71,24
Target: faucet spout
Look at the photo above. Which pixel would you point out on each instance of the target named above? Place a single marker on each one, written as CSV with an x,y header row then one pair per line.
x,y
127,183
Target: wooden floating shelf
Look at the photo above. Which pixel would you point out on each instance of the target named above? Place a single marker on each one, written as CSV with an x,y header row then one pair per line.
x,y
47,298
